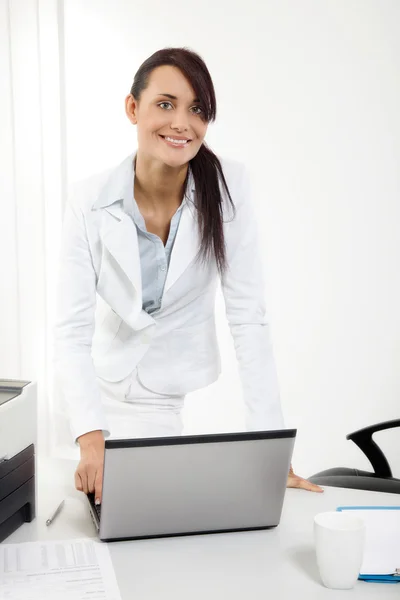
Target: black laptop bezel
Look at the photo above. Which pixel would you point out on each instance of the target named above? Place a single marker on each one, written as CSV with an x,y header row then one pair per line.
x,y
207,438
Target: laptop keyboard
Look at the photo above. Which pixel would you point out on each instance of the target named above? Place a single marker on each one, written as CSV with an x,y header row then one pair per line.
x,y
98,510
97,507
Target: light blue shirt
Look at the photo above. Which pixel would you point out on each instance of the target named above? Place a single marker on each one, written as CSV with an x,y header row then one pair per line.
x,y
154,256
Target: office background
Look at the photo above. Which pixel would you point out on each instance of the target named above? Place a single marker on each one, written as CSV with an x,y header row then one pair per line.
x,y
308,94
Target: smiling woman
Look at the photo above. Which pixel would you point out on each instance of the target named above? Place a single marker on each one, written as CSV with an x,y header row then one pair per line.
x,y
146,243
163,118
172,101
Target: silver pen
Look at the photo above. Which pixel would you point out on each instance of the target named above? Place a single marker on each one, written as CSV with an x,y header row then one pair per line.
x,y
56,512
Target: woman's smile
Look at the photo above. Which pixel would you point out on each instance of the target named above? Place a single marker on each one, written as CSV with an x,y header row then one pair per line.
x,y
176,141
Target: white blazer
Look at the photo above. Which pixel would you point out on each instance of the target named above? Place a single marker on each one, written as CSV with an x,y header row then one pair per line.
x,y
102,330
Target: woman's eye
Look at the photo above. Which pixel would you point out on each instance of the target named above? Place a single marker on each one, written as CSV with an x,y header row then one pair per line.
x,y
197,110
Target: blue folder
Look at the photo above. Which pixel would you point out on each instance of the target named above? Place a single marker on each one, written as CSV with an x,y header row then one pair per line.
x,y
390,577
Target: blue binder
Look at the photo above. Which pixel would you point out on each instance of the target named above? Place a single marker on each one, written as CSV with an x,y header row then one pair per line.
x,y
389,577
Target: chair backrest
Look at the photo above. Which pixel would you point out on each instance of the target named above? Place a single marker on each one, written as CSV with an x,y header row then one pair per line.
x,y
363,439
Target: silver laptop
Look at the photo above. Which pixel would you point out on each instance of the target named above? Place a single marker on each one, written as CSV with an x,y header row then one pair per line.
x,y
184,485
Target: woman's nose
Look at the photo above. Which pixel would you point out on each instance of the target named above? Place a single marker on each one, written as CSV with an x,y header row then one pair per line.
x,y
180,121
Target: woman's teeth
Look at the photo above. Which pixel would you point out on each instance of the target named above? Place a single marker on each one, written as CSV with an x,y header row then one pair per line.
x,y
182,142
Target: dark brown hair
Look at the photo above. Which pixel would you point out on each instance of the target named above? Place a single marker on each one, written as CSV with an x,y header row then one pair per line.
x,y
206,167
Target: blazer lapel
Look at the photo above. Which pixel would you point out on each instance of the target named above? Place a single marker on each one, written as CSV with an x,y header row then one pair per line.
x,y
119,233
186,245
119,236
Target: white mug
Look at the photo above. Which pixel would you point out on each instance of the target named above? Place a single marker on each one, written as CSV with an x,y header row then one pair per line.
x,y
339,544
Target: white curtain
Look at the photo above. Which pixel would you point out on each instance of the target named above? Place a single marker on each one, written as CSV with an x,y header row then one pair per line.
x,y
32,189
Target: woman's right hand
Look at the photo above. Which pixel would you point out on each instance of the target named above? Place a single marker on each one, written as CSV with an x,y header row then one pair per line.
x,y
89,473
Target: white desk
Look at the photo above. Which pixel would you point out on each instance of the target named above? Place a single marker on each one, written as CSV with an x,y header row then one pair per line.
x,y
277,563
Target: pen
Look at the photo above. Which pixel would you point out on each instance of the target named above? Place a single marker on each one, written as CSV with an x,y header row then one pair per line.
x,y
56,512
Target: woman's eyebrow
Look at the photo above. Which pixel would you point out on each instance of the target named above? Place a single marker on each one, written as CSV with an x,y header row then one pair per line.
x,y
174,97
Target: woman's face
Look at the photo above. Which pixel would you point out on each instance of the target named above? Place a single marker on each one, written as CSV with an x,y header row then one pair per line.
x,y
169,119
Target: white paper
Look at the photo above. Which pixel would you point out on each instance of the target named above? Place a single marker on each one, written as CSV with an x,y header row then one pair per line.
x,y
63,570
382,542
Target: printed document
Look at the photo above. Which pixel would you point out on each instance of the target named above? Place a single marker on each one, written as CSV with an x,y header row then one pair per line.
x,y
73,570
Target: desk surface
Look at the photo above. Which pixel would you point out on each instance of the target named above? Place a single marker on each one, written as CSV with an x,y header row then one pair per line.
x,y
258,565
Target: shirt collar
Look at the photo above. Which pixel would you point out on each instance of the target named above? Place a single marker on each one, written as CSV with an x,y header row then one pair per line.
x,y
119,187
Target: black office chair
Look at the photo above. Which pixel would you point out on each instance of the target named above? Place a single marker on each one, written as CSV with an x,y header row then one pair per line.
x,y
381,480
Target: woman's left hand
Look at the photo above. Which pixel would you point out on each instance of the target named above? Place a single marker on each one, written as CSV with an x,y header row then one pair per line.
x,y
294,481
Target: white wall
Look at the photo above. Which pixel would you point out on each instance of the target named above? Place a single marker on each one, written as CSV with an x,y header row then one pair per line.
x,y
308,97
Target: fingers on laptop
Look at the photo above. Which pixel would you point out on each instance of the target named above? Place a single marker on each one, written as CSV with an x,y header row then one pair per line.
x,y
98,487
81,479
89,479
78,482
